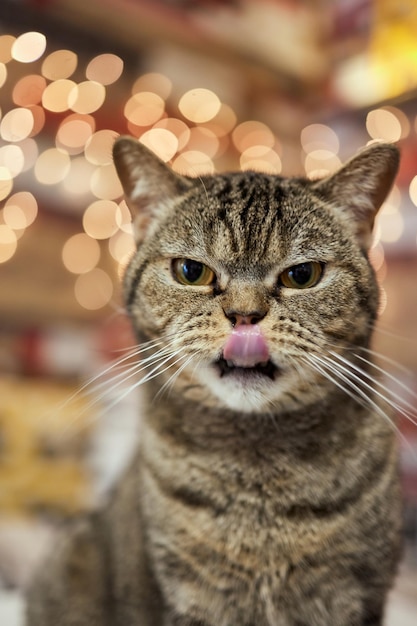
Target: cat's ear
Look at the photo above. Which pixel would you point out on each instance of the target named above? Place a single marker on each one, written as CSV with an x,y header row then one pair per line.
x,y
361,185
150,186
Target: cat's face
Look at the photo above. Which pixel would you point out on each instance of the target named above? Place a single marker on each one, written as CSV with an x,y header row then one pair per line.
x,y
245,276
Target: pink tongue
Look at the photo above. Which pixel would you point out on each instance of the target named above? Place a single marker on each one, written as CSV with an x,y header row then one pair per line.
x,y
246,346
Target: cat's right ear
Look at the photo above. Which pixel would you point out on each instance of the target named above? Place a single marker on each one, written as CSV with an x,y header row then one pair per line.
x,y
149,185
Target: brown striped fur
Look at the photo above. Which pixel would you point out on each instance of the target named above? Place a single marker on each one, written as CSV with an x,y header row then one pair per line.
x,y
268,502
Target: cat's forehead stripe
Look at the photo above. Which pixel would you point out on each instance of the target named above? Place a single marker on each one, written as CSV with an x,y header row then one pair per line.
x,y
249,206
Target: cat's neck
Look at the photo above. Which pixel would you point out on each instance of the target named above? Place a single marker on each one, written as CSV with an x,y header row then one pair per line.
x,y
194,424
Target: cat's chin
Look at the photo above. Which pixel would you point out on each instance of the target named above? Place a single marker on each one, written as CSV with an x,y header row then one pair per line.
x,y
244,389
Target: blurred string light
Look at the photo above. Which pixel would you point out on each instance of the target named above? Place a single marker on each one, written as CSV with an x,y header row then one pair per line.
x,y
191,133
80,253
28,47
93,290
199,105
60,64
385,124
389,225
258,147
320,145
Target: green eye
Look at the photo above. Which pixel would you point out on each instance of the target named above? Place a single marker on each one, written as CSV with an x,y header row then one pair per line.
x,y
194,273
302,276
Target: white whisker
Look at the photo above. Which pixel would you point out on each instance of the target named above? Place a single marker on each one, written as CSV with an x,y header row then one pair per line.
x,y
388,375
336,368
402,408
323,369
167,386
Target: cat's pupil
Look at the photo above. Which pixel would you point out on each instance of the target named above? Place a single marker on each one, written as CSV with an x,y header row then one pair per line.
x,y
192,270
301,274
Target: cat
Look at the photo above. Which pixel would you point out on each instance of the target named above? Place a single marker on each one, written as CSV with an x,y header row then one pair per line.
x,y
265,489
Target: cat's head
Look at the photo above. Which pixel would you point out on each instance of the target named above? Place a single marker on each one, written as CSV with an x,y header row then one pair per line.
x,y
249,282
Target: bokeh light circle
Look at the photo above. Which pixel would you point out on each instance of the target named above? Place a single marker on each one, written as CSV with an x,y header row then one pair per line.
x,y
105,69
60,64
94,290
52,166
100,219
29,47
17,125
80,253
87,97
162,142
8,243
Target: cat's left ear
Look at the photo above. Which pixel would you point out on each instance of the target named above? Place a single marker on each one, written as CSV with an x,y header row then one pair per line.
x,y
361,185
150,186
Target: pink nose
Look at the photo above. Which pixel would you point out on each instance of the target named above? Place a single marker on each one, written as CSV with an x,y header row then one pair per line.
x,y
246,346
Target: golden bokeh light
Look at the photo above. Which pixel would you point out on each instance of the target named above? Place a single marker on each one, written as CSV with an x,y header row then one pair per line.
x,y
402,119
199,105
391,226
121,247
124,218
177,127
77,181
412,190
16,125
6,182
14,218
153,82
377,256
8,242
105,183
87,97
28,47
52,166
56,95
30,151
393,202
28,90
60,64
224,122
74,132
13,159
383,124
261,159
80,254
94,290
252,133
319,163
98,148
319,137
6,44
203,139
20,210
162,142
39,119
100,219
105,69
144,108
3,74
193,163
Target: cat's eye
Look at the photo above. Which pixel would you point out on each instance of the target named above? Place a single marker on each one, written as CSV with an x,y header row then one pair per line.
x,y
302,276
194,273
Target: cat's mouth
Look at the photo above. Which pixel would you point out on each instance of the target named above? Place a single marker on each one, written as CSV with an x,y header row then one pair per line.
x,y
227,368
246,354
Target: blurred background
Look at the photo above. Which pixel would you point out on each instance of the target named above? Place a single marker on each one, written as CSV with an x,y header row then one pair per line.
x,y
283,86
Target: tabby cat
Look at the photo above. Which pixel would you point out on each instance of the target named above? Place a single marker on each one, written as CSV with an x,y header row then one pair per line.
x,y
265,491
